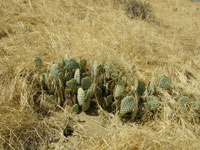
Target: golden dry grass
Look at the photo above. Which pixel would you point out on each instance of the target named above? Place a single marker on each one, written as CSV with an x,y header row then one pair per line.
x,y
98,30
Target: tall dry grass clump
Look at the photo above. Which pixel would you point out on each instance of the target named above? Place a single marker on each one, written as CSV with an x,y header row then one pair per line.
x,y
167,43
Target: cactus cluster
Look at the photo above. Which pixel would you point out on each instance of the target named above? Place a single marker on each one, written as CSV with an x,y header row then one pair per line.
x,y
79,85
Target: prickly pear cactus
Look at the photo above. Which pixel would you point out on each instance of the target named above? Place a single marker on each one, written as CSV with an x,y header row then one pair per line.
x,y
107,70
91,92
119,90
86,105
139,87
152,103
60,62
77,76
105,84
86,83
72,84
128,104
75,108
55,70
82,64
38,62
183,101
81,96
151,88
69,76
96,69
164,82
145,94
71,64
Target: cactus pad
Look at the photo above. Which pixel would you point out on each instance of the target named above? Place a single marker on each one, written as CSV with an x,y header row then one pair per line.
x,y
151,88
183,101
82,64
128,104
75,108
86,106
118,91
96,69
54,70
86,83
164,82
139,87
90,92
72,84
70,65
60,62
81,96
38,62
69,76
77,76
152,103
107,70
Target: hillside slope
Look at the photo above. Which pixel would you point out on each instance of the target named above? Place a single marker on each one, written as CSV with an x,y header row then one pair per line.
x,y
166,43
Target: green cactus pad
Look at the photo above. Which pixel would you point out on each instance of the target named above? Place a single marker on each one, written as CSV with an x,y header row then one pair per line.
x,y
145,94
151,88
86,106
128,104
107,70
55,70
139,87
75,108
183,101
119,90
71,64
60,62
91,92
96,69
86,83
38,62
81,96
164,82
82,64
69,76
77,76
72,84
152,103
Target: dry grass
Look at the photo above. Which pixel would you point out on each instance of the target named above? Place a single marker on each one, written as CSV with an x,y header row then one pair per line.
x,y
98,30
